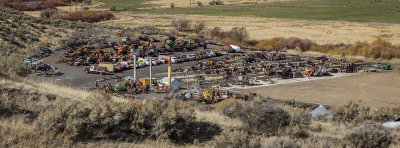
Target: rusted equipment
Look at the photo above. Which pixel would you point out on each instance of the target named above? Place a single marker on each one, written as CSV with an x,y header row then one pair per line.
x,y
162,89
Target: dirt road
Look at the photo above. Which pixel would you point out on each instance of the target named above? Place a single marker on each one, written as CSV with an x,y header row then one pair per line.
x,y
373,89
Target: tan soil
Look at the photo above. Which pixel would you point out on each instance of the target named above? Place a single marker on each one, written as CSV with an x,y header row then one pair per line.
x,y
374,89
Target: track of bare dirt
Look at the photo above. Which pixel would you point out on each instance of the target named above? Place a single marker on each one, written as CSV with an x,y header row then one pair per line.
x,y
374,89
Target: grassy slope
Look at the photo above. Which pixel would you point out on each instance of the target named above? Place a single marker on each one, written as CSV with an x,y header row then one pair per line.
x,y
356,10
349,10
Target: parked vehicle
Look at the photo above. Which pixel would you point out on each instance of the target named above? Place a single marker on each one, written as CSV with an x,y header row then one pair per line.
x,y
174,60
144,61
191,57
96,70
158,61
162,60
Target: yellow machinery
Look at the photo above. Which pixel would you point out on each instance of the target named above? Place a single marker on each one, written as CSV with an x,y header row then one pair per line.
x,y
142,62
208,97
144,82
210,62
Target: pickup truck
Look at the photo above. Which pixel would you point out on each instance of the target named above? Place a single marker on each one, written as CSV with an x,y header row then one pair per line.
x,y
96,70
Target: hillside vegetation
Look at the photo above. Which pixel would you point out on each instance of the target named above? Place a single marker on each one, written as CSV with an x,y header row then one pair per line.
x,y
32,5
23,36
378,49
33,115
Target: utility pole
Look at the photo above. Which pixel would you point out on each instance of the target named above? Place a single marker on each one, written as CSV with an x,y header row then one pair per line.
x,y
151,79
187,79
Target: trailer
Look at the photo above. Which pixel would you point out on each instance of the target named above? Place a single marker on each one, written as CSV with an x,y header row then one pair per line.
x,y
108,66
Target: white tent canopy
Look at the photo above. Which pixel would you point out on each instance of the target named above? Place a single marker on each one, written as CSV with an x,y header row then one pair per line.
x,y
174,83
321,111
235,48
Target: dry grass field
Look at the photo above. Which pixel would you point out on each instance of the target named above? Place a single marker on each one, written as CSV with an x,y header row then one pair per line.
x,y
322,32
319,31
374,89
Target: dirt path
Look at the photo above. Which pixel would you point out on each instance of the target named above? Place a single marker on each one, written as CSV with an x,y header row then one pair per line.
x,y
374,89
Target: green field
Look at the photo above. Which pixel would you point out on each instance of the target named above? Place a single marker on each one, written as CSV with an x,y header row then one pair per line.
x,y
124,4
387,11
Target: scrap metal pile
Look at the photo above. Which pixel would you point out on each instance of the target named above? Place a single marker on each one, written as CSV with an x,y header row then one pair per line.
x,y
39,67
121,54
248,68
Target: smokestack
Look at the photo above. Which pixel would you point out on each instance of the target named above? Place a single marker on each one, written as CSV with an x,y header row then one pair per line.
x,y
134,67
134,64
169,71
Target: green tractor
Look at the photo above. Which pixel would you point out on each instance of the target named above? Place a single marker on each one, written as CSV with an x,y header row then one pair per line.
x,y
122,87
383,66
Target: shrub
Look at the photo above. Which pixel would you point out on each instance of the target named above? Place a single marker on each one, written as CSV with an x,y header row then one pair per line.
x,y
199,26
260,117
239,34
216,2
219,2
252,42
86,16
216,32
113,8
354,112
47,13
199,4
369,136
168,120
172,5
13,65
181,24
297,131
231,107
351,112
299,116
382,114
212,2
34,5
229,41
280,142
152,119
88,2
236,139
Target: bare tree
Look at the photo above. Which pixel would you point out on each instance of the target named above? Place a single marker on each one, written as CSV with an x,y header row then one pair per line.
x,y
81,1
70,5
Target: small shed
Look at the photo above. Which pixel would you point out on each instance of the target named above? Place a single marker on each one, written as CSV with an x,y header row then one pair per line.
x,y
321,112
174,83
